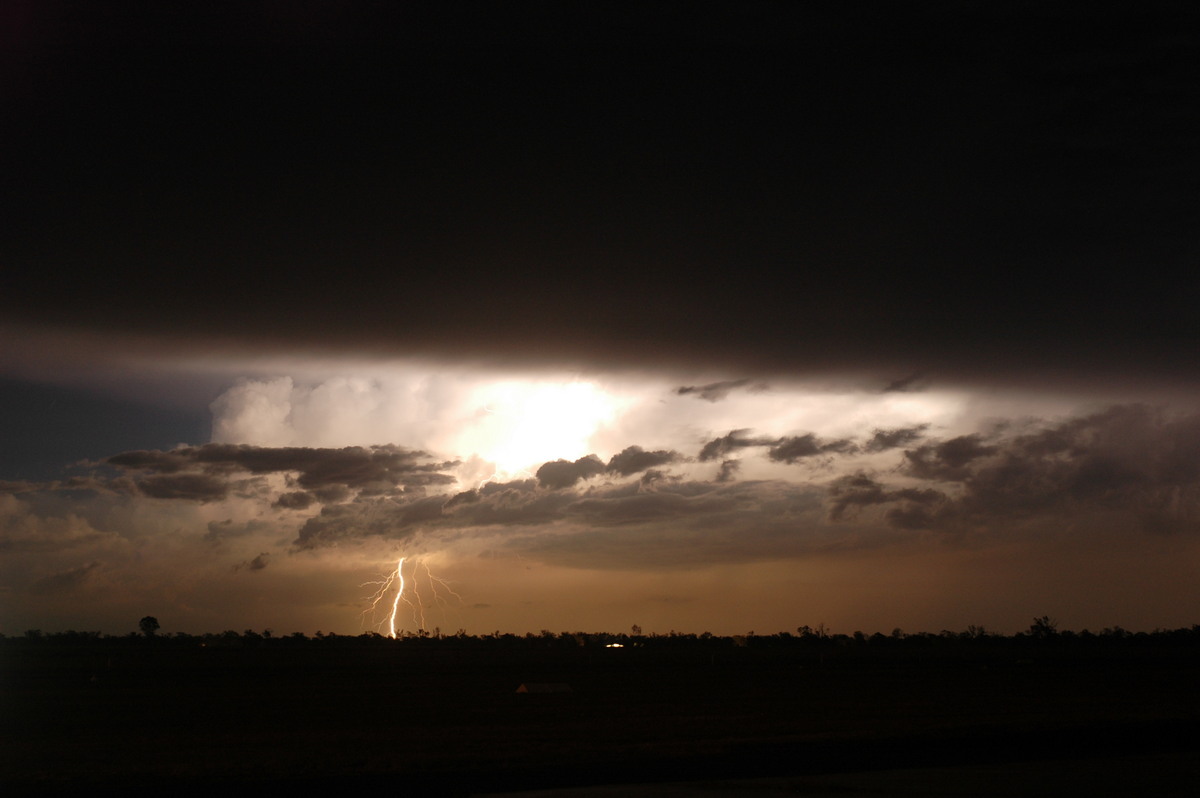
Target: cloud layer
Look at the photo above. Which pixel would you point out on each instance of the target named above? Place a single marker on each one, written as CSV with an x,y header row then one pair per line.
x,y
1099,481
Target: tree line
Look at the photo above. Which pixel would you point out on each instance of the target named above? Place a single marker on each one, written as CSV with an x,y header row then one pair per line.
x,y
1042,630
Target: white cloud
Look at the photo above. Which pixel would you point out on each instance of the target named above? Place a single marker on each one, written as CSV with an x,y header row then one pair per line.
x,y
256,412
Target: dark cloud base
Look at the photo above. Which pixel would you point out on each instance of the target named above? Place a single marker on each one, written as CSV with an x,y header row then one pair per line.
x,y
1129,470
992,191
202,472
1132,465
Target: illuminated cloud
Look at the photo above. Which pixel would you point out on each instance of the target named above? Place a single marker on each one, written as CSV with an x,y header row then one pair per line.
x,y
512,422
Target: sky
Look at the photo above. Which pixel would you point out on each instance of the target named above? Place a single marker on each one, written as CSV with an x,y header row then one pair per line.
x,y
702,316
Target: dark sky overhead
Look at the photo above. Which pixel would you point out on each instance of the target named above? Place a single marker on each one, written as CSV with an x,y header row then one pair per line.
x,y
859,298
797,184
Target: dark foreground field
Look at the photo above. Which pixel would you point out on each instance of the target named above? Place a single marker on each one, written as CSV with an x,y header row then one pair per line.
x,y
157,716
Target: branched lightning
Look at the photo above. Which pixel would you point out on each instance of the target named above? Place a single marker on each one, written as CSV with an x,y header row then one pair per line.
x,y
410,592
437,581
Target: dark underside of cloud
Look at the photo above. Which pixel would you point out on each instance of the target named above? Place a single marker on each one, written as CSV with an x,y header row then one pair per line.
x,y
257,564
885,439
1129,465
790,449
63,582
670,523
716,391
208,472
988,189
631,460
1130,469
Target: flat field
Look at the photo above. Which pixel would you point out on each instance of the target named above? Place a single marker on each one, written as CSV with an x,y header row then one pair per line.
x,y
444,718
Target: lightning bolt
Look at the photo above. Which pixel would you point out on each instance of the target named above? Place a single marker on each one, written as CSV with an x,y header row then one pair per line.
x,y
411,593
438,582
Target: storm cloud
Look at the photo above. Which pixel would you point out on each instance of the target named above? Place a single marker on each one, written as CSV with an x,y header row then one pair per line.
x,y
564,473
716,391
202,473
634,459
788,449
732,442
798,447
1131,464
723,522
947,460
63,582
195,487
884,439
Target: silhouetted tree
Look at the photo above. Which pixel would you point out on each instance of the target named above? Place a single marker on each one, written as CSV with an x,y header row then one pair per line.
x,y
148,625
1043,627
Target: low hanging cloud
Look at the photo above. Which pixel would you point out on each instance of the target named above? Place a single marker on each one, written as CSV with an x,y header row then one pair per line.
x,y
728,471
947,461
737,439
884,439
401,517
716,391
193,487
909,384
651,520
796,448
559,474
365,518
1133,465
564,473
789,449
295,500
48,521
203,473
635,459
685,524
226,530
64,581
855,491
256,564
